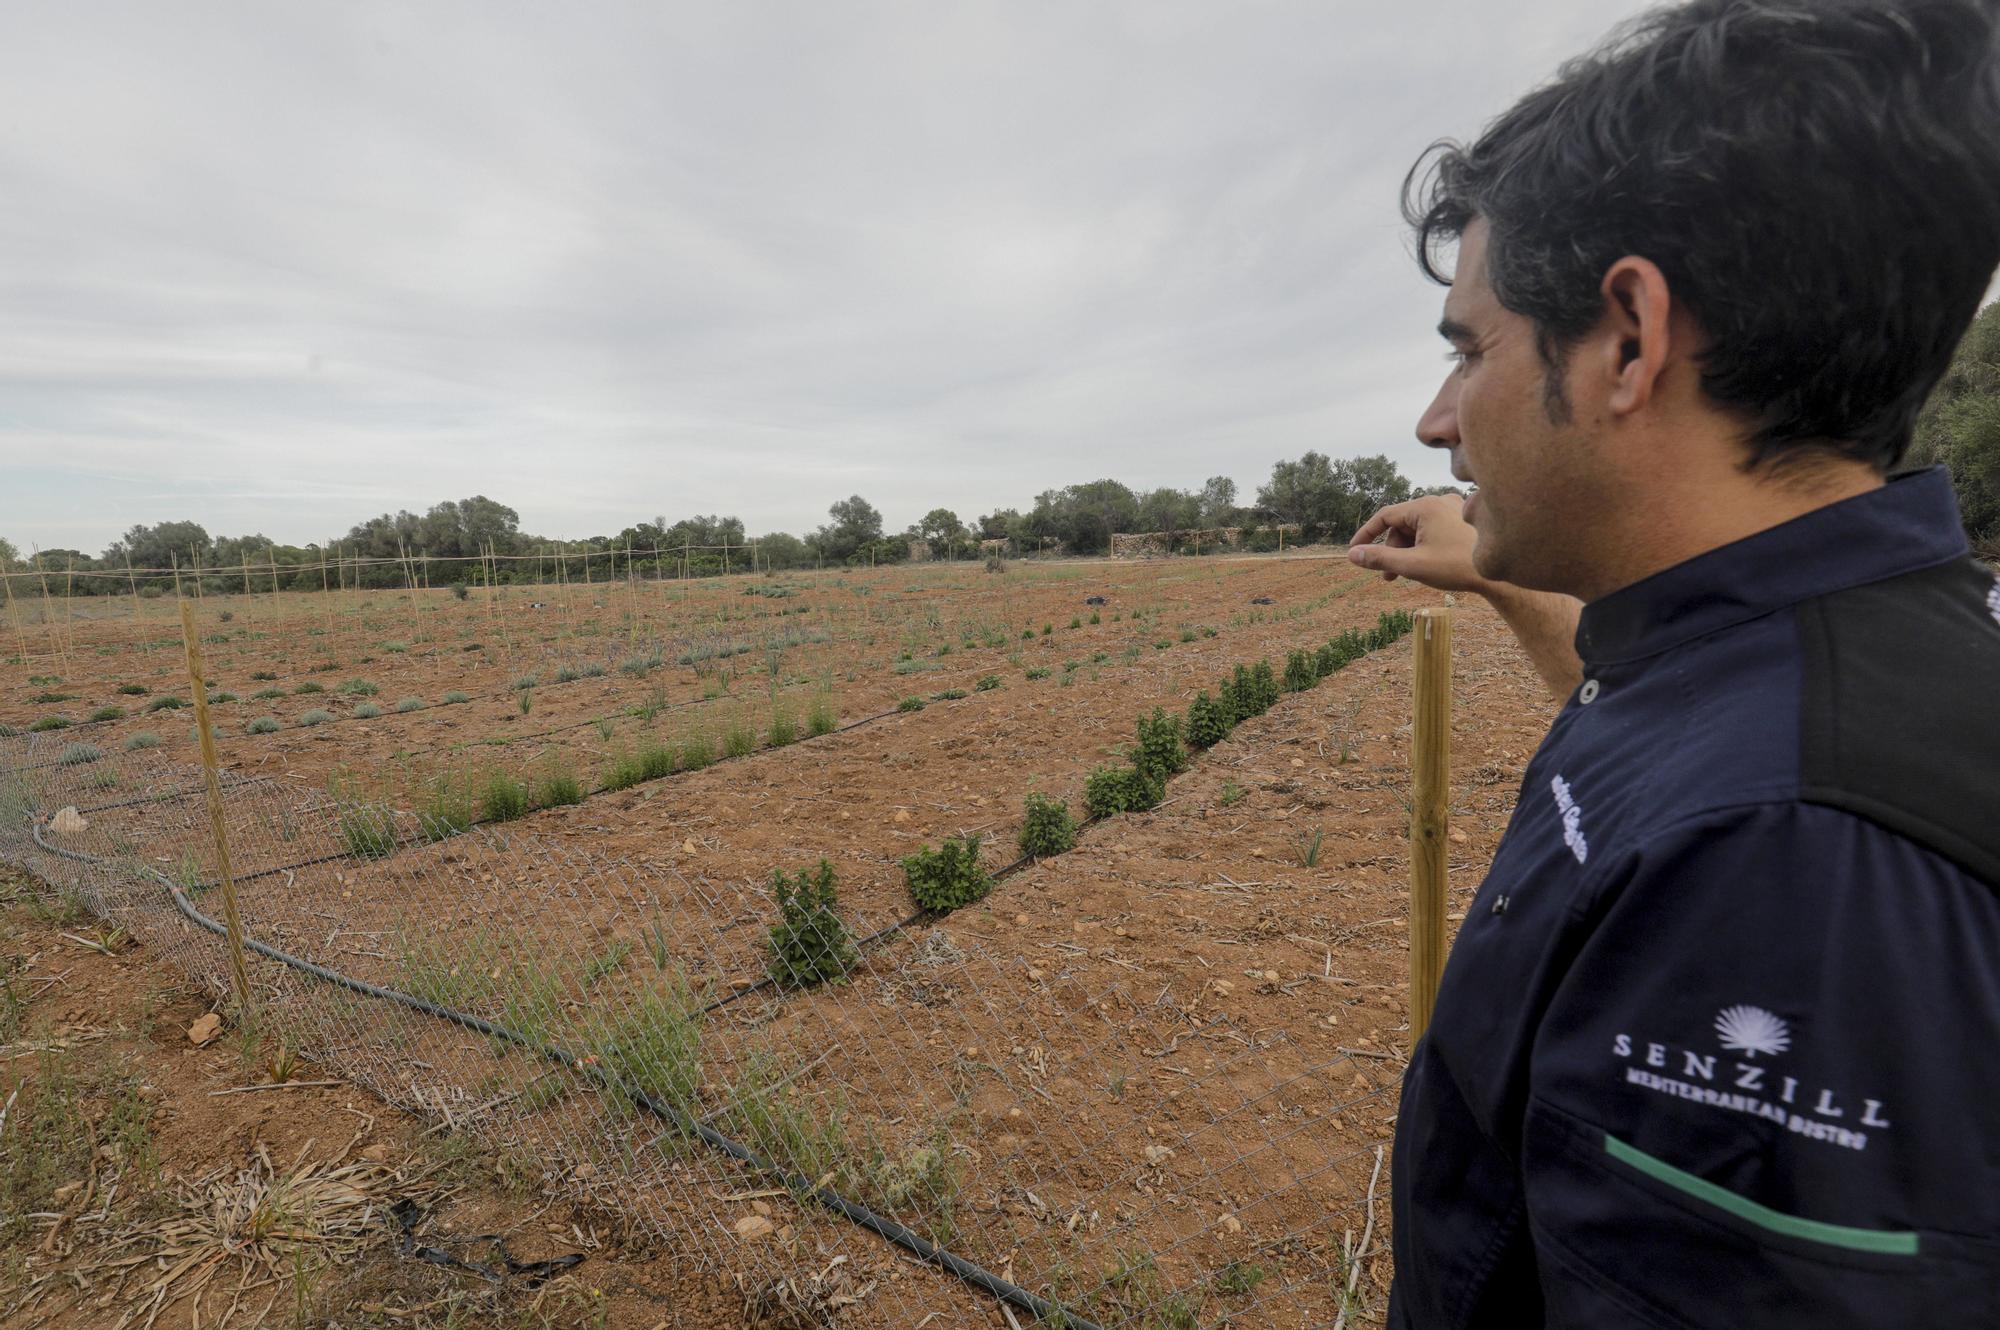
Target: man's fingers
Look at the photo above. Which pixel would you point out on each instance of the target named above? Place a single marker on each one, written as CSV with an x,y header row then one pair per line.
x,y
1383,519
1392,561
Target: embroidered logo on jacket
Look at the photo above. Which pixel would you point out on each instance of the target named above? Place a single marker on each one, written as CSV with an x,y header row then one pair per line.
x,y
1760,1089
1572,817
1752,1030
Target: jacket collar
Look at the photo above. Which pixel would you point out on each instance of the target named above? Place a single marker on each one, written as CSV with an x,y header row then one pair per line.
x,y
1910,523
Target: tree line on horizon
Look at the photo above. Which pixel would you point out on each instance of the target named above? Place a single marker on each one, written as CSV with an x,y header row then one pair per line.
x,y
1958,428
1317,495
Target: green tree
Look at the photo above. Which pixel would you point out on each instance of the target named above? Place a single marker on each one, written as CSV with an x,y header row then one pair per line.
x,y
942,529
162,546
1960,427
1169,512
9,556
781,551
1218,502
1323,496
856,524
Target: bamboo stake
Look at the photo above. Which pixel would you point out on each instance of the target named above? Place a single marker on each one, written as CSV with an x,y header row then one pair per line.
x,y
69,619
326,596
132,581
1429,812
239,976
14,617
410,579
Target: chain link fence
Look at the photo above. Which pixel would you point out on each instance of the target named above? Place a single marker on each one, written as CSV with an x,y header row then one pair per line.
x,y
941,1128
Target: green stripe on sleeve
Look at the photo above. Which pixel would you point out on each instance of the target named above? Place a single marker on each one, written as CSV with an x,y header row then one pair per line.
x,y
1812,1230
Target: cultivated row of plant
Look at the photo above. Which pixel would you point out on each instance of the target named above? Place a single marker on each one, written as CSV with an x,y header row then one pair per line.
x,y
811,944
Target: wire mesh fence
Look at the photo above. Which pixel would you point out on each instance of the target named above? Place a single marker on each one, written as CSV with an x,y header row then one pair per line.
x,y
938,1125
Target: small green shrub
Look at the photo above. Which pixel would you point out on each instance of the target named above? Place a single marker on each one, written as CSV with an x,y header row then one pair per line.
x,y
395,648
143,739
784,729
1076,621
1036,672
7,731
307,688
810,944
1239,696
1048,828
368,831
460,591
1232,794
454,698
948,695
410,704
316,717
447,808
739,738
1236,1279
987,683
220,698
357,688
76,755
1112,790
641,664
820,717
365,711
1159,753
1265,684
108,713
1048,630
697,751
948,877
167,703
910,704
1301,671
263,725
262,676
1095,617
567,675
558,788
134,689
503,796
526,681
47,723
1207,722
267,694
654,1049
46,698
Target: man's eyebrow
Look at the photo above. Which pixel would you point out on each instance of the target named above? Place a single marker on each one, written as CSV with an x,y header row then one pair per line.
x,y
1454,331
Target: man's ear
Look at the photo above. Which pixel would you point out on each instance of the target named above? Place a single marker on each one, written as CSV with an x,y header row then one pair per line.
x,y
1636,335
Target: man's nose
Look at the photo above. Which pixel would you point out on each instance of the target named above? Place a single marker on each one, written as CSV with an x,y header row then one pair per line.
x,y
1438,426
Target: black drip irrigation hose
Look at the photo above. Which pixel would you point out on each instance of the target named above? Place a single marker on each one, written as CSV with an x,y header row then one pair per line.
x,y
882,1226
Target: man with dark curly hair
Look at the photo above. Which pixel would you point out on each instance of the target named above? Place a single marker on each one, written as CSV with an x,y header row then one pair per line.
x,y
1719,1039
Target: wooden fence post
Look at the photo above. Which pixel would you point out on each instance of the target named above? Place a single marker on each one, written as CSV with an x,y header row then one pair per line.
x,y
239,976
1429,811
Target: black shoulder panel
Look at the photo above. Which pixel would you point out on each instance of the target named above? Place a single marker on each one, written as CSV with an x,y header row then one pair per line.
x,y
1901,720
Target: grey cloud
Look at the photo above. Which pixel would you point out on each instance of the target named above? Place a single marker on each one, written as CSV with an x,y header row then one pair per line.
x,y
280,267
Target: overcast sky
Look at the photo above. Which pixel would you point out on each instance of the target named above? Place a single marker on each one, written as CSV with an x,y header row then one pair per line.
x,y
279,267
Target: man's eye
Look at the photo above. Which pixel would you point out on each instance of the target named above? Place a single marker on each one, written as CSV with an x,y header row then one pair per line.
x,y
1461,358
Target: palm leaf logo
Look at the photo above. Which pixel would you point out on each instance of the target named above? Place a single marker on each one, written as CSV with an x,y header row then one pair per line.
x,y
1752,1030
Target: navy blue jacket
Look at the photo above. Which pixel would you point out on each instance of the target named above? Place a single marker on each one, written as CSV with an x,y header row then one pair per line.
x,y
1718,1043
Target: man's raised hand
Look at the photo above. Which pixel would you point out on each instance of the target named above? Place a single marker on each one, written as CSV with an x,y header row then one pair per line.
x,y
1426,540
